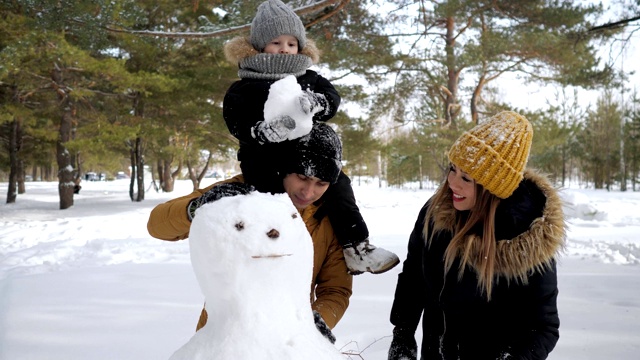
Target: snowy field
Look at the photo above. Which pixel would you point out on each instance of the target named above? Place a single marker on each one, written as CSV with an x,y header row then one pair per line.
x,y
89,283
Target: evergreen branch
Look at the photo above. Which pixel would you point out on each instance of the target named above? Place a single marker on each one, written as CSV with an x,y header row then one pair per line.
x,y
340,77
464,28
309,9
497,72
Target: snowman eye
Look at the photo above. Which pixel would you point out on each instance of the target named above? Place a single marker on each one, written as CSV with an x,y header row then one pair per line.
x,y
294,215
240,226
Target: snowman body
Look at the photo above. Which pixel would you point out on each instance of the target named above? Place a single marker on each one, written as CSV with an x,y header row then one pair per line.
x,y
253,258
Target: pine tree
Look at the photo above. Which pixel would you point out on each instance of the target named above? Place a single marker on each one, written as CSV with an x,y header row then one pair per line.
x,y
479,41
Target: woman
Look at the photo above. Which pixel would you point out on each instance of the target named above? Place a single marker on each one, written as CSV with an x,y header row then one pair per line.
x,y
481,265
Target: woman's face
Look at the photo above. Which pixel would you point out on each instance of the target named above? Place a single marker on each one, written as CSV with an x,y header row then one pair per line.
x,y
304,190
283,44
463,188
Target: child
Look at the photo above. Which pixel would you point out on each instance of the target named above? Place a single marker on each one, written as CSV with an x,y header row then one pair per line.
x,y
278,47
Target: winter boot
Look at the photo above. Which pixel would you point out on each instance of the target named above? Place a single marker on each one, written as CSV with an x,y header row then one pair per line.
x,y
364,257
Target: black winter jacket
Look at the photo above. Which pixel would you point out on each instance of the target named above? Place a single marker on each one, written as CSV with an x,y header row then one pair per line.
x,y
243,108
245,99
521,319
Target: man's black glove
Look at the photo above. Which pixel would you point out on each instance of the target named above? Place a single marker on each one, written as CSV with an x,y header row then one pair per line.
x,y
274,130
312,103
323,328
216,193
403,345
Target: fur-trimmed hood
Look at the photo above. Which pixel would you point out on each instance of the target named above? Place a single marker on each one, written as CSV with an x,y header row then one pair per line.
x,y
533,249
240,48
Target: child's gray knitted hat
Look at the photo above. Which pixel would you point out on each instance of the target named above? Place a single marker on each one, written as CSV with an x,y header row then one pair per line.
x,y
273,19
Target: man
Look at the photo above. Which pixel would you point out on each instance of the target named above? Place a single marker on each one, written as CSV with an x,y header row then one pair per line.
x,y
308,166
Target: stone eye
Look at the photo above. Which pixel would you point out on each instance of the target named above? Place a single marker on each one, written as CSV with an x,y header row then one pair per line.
x,y
240,226
294,215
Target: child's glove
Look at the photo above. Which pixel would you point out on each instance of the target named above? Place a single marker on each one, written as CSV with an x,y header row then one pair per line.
x,y
274,130
323,328
312,103
403,345
216,193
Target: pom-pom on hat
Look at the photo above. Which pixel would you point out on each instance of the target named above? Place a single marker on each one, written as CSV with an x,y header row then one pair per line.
x,y
273,19
495,153
318,154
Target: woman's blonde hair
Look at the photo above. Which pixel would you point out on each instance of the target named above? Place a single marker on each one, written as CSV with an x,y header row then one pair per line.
x,y
464,242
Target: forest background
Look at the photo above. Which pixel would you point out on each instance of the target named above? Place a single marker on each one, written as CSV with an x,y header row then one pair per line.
x,y
105,86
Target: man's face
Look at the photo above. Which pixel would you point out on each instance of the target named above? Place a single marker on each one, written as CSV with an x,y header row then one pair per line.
x,y
304,190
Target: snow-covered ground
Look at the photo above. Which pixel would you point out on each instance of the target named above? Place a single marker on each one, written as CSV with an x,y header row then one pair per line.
x,y
89,283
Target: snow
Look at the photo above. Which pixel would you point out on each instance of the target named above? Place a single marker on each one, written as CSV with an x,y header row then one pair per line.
x,y
284,100
89,282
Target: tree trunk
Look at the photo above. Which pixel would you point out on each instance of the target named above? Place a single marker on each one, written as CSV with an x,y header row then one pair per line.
x,y
175,174
140,166
136,151
13,161
477,91
420,170
475,97
196,179
564,164
134,171
21,173
192,175
160,170
451,108
65,165
623,168
47,173
65,169
77,161
167,186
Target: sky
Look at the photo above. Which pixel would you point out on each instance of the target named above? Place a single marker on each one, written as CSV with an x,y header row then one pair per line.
x,y
532,96
89,282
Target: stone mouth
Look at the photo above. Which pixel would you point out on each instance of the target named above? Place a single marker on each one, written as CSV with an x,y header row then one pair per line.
x,y
270,256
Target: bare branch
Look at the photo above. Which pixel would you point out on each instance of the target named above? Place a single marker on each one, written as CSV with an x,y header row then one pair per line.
x,y
337,9
309,9
358,353
615,24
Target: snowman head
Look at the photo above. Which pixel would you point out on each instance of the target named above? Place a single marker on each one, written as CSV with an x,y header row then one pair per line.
x,y
238,240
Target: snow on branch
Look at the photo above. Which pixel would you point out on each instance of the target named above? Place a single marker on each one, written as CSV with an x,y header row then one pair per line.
x,y
323,10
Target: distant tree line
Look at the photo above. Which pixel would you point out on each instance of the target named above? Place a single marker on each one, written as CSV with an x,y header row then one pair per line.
x,y
105,85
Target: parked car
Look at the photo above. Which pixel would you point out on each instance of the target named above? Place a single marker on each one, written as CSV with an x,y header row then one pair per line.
x,y
214,175
121,175
91,176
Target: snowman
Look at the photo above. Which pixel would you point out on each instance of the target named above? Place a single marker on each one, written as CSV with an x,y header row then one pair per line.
x,y
253,258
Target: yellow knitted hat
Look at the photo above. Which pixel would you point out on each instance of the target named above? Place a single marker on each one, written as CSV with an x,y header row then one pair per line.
x,y
495,153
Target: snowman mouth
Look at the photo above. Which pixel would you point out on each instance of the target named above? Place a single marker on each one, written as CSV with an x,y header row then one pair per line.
x,y
270,256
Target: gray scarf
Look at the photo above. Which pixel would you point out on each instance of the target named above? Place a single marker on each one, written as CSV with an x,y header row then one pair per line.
x,y
273,66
